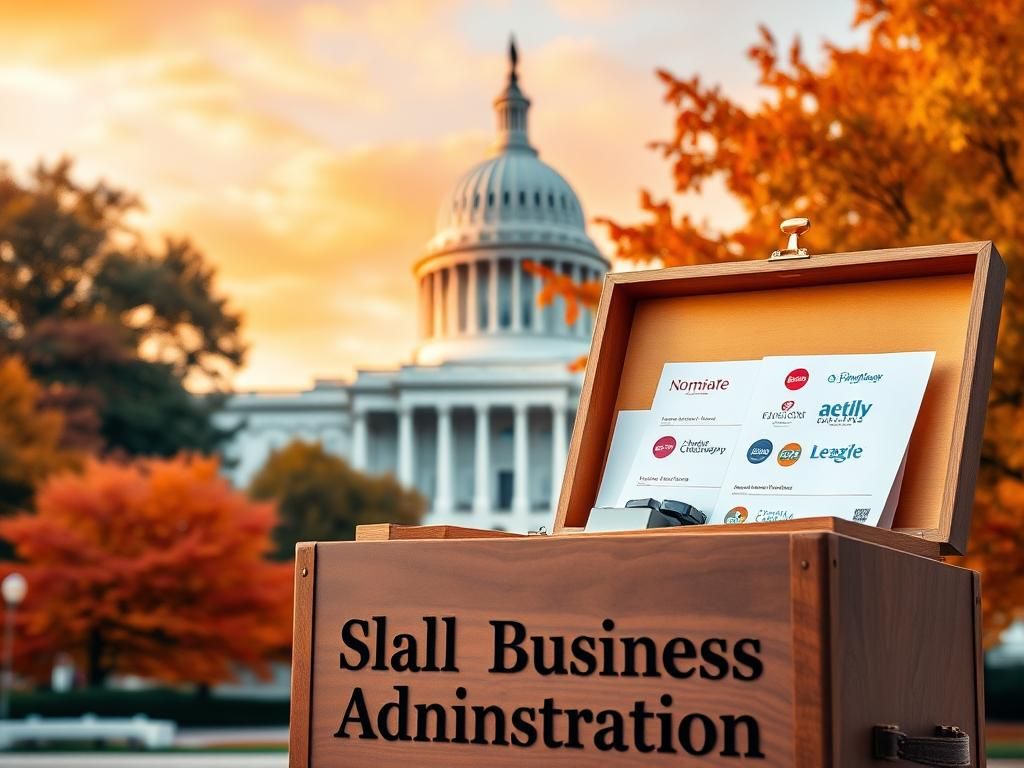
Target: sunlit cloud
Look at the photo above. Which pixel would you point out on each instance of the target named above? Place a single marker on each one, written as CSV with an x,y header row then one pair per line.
x,y
305,147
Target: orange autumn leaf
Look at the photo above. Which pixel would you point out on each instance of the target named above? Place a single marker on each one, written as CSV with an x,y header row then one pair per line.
x,y
156,568
912,137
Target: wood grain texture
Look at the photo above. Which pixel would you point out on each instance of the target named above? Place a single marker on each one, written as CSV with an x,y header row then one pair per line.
x,y
972,399
811,566
563,586
904,651
944,298
979,674
389,532
894,539
595,413
303,627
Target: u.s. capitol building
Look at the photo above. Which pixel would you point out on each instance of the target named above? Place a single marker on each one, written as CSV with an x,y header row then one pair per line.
x,y
479,422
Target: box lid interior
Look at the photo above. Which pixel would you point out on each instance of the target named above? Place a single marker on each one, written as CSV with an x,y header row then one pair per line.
x,y
942,298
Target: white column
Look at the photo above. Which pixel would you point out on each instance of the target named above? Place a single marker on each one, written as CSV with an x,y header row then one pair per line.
x,y
482,463
538,310
492,296
472,312
558,326
443,487
517,294
521,487
589,275
577,276
359,440
558,451
405,446
437,278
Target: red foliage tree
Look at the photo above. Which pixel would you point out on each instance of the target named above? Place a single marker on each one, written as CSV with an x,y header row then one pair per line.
x,y
155,568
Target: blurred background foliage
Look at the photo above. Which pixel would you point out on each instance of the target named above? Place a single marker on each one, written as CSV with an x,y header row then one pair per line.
x,y
915,137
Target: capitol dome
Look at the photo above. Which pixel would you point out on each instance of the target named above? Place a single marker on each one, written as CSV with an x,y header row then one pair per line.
x,y
476,300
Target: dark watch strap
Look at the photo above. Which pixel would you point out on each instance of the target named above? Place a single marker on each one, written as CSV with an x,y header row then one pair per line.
x,y
949,747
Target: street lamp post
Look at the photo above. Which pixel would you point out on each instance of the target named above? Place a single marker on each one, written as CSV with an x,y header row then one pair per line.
x,y
13,589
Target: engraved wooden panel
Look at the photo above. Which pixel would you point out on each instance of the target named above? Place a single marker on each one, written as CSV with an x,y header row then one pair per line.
x,y
943,298
656,587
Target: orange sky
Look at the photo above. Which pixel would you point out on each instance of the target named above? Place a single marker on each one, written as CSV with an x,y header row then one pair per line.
x,y
305,146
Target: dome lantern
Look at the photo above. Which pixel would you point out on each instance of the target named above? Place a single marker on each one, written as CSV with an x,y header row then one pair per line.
x,y
478,303
511,108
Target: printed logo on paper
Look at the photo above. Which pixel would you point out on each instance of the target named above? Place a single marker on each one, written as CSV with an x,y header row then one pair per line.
x,y
797,378
846,377
736,515
664,446
838,455
789,454
786,414
849,412
759,451
698,386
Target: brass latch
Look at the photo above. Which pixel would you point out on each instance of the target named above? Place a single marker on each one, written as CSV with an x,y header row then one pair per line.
x,y
794,228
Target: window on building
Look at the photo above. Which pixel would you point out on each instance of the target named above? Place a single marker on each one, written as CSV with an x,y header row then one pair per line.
x,y
526,303
483,275
506,487
504,294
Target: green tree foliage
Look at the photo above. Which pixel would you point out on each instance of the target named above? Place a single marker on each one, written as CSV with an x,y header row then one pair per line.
x,y
109,324
321,498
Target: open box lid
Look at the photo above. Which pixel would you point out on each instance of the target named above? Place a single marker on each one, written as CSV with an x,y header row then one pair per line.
x,y
945,298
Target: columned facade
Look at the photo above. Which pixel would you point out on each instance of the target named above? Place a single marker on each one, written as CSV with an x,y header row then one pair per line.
x,y
479,421
514,455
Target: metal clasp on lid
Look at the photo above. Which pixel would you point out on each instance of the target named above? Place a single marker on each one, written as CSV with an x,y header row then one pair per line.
x,y
794,228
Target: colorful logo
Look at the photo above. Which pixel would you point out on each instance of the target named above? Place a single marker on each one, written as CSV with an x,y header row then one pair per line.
x,y
759,451
850,412
797,378
736,515
664,446
789,454
788,405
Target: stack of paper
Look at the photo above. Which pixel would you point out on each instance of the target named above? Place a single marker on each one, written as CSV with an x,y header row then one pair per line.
x,y
774,439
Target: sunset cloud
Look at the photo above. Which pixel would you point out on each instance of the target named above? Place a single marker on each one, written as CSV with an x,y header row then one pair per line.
x,y
305,147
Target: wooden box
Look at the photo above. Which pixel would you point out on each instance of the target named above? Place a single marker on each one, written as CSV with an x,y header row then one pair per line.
x,y
784,644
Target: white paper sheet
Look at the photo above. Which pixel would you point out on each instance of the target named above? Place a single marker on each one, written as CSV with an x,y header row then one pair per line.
x,y
695,420
629,429
824,435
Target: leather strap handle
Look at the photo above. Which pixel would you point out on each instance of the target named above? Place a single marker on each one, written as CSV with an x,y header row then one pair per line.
x,y
950,747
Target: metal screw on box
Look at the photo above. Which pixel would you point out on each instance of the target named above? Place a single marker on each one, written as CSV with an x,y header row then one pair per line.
x,y
794,228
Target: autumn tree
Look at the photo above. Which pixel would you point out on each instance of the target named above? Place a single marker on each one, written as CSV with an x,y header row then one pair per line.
x,y
109,323
914,137
321,498
155,568
30,437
